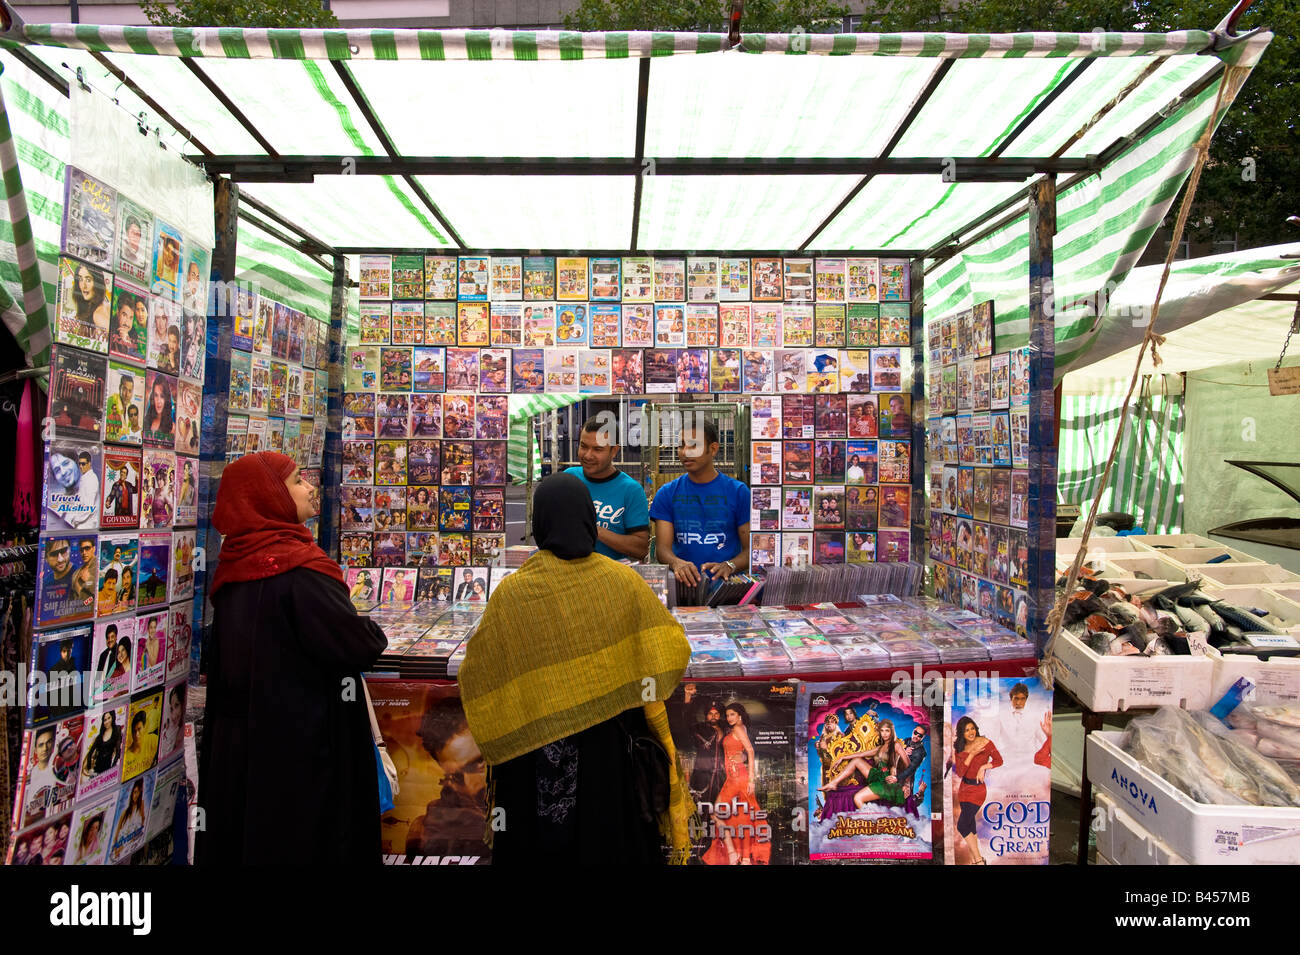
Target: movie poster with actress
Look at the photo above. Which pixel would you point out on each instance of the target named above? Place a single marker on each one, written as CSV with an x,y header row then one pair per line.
x,y
869,771
997,772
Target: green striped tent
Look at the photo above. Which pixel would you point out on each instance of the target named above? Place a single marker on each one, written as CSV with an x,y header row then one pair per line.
x,y
1140,101
1147,480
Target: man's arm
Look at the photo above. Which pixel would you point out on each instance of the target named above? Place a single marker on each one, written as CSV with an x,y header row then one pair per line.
x,y
741,560
683,570
635,544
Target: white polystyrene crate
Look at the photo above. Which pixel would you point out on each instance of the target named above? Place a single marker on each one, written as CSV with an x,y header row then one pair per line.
x,y
1289,591
1239,575
1282,613
1202,834
1153,565
1109,684
1195,556
1161,541
1096,545
1277,679
1122,840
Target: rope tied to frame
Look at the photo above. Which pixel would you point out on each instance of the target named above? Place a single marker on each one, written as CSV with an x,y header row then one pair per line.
x,y
1229,85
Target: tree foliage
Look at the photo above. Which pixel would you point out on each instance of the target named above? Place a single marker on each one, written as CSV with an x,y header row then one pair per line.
x,y
1252,182
708,16
252,14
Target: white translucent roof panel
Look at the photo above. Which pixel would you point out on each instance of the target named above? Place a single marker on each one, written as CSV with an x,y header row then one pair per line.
x,y
978,103
66,63
779,106
1169,79
736,212
505,108
354,210
301,106
910,212
179,91
530,212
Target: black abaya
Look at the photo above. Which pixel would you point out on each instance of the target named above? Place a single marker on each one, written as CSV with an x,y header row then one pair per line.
x,y
287,772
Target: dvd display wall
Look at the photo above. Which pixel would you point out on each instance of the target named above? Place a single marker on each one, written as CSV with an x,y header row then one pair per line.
x,y
978,435
821,344
278,394
101,760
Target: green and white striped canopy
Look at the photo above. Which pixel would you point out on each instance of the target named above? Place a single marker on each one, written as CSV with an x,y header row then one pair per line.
x,y
1138,100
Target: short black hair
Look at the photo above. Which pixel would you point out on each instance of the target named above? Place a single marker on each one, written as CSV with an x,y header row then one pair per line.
x,y
1019,688
709,428
596,422
443,719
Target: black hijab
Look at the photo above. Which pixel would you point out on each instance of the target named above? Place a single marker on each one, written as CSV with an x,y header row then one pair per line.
x,y
564,519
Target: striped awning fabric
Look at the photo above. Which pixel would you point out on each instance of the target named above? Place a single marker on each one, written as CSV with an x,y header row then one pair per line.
x,y
1143,102
1147,477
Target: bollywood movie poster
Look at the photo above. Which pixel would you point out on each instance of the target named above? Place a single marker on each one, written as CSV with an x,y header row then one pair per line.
x,y
997,771
670,280
135,226
376,277
571,279
408,276
737,746
439,323
440,277
407,324
606,284
865,755
440,810
733,280
91,214
638,326
864,280
638,278
539,278
167,254
84,299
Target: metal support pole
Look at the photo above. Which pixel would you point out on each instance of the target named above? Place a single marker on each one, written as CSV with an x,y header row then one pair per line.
x,y
332,462
223,299
920,519
1042,447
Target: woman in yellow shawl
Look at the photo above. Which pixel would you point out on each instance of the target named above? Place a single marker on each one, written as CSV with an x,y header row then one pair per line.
x,y
570,664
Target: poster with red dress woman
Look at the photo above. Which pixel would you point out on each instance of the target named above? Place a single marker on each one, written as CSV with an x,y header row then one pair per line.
x,y
737,750
997,772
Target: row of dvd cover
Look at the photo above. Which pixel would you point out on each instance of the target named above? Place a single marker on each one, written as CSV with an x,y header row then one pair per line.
x,y
96,399
597,371
370,585
999,438
425,462
271,329
968,334
302,439
450,508
88,576
414,549
998,553
114,236
799,550
980,384
591,324
89,486
999,495
638,278
831,507
263,385
830,461
453,416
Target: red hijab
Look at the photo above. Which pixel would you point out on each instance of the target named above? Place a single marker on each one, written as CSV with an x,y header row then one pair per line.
x,y
259,519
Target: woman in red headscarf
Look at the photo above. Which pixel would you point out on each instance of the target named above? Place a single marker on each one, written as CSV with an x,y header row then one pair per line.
x,y
288,763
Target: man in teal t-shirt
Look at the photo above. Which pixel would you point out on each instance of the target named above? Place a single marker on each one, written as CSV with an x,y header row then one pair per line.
x,y
622,514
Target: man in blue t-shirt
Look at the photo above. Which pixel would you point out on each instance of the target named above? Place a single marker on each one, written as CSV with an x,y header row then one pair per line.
x,y
702,518
622,520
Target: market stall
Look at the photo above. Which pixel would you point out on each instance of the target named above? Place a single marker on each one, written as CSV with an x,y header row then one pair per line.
x,y
834,282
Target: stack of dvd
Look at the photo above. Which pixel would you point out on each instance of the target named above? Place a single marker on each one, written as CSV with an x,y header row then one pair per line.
x,y
906,648
656,575
811,653
712,654
762,656
1003,644
454,661
859,652
957,647
428,657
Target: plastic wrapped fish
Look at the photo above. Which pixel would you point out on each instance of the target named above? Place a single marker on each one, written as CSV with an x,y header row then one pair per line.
x,y
1199,755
